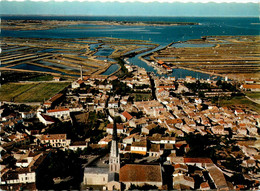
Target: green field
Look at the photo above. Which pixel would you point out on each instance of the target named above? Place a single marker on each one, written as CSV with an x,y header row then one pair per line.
x,y
142,96
42,78
31,92
240,101
253,95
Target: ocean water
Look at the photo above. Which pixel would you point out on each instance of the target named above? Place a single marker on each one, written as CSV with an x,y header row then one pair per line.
x,y
163,35
156,34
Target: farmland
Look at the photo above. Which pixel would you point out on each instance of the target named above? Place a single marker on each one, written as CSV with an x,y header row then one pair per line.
x,y
29,92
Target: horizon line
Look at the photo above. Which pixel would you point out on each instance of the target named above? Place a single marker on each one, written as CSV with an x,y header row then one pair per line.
x,y
81,15
145,1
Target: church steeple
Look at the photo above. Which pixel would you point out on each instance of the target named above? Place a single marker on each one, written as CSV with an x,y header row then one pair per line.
x,y
114,137
114,159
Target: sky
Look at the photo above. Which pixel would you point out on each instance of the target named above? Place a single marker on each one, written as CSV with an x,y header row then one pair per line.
x,y
243,8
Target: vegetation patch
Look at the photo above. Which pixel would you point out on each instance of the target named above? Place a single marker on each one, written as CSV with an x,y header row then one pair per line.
x,y
239,101
31,92
46,77
253,95
142,96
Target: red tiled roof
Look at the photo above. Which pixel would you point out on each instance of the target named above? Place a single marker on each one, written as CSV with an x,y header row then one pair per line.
x,y
165,66
177,166
251,86
54,136
204,185
47,118
80,82
55,97
57,110
173,121
113,78
167,87
140,173
118,126
160,62
197,160
161,90
139,144
78,143
127,115
85,77
239,111
155,148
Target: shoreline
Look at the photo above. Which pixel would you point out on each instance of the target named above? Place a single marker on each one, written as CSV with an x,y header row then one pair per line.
x,y
216,57
24,25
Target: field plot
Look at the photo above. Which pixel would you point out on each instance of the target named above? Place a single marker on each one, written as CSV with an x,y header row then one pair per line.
x,y
235,57
66,56
240,101
30,92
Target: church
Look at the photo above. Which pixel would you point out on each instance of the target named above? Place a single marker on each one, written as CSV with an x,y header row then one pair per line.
x,y
117,177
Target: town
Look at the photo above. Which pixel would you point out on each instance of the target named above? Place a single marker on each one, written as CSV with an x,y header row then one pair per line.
x,y
132,130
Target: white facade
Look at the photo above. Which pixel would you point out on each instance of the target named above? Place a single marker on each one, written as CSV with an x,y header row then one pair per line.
x,y
43,120
25,177
113,105
168,141
29,177
76,147
59,113
56,140
75,85
110,131
27,115
95,176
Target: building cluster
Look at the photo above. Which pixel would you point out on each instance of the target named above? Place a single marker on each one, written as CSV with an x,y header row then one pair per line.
x,y
151,132
251,85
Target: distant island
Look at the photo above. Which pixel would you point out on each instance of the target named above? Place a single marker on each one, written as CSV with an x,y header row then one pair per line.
x,y
144,23
51,24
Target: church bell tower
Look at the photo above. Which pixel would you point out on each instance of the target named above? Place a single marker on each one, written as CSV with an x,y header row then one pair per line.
x,y
114,158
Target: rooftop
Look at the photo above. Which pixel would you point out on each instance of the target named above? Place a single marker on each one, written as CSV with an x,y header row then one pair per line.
x,y
54,136
140,173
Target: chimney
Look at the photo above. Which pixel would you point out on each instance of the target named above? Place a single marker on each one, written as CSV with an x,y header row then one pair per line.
x,y
81,73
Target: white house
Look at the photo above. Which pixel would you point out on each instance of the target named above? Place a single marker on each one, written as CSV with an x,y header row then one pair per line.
x,y
59,113
26,176
21,175
120,128
28,115
55,140
78,145
139,147
45,119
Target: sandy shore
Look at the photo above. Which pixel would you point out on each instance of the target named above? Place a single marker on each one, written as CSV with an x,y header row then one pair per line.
x,y
50,24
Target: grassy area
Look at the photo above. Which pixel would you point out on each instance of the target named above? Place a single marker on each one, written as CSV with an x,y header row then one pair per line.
x,y
42,78
253,95
33,92
240,101
11,90
142,96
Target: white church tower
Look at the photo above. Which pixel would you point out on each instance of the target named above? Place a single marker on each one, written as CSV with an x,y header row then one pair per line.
x,y
114,163
114,158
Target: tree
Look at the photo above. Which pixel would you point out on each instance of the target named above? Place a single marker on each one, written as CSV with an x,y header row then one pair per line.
x,y
60,164
201,94
199,145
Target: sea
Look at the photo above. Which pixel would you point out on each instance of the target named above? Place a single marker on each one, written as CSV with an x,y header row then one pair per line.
x,y
162,35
